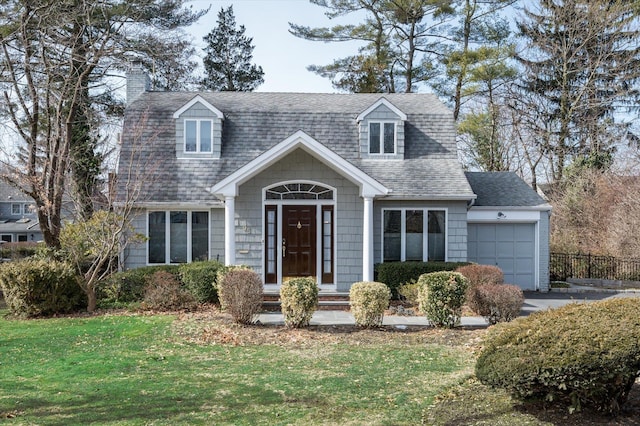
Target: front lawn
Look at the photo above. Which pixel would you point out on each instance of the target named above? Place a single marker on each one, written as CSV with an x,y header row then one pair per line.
x,y
200,369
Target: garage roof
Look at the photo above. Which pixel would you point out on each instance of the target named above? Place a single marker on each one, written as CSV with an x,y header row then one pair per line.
x,y
503,189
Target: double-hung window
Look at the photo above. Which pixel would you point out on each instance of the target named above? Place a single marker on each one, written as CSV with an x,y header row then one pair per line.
x,y
198,135
178,236
16,209
382,137
414,234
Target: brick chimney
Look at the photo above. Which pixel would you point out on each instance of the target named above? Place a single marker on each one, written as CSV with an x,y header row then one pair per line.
x,y
138,81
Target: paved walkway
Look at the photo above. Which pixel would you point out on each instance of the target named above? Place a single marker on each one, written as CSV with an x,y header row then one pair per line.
x,y
533,302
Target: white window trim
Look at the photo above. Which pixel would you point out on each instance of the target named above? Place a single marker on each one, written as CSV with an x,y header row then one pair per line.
x,y
20,209
395,136
167,235
198,138
425,234
7,235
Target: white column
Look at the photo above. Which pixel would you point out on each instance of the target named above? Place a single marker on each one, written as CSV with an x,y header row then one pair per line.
x,y
229,230
367,240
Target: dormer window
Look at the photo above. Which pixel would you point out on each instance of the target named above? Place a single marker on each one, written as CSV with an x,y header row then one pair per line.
x,y
382,137
198,135
198,130
381,132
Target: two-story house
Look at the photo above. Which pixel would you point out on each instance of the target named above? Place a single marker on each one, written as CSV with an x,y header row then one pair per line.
x,y
321,185
18,219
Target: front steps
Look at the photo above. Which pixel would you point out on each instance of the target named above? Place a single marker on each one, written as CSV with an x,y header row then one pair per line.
x,y
327,301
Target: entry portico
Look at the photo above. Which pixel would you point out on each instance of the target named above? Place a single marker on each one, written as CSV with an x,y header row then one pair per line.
x,y
299,223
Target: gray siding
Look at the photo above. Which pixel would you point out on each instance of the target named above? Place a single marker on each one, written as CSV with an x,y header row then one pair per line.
x,y
543,233
216,245
135,256
456,225
199,111
381,113
348,214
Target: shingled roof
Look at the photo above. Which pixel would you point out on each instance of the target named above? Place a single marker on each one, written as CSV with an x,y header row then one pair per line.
x,y
503,189
256,122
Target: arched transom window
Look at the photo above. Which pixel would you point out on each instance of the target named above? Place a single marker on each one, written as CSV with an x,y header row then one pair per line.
x,y
299,191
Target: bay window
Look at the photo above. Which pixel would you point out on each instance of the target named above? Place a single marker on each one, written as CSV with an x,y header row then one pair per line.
x,y
413,235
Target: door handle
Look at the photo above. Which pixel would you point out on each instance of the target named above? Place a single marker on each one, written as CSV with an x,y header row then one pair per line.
x,y
284,248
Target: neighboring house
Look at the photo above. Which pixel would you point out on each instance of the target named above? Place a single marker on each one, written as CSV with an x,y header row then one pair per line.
x,y
18,219
322,185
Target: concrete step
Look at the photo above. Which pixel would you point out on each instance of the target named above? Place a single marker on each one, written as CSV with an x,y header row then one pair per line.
x,y
326,302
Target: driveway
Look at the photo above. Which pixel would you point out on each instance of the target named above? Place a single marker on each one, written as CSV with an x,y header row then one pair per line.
x,y
535,301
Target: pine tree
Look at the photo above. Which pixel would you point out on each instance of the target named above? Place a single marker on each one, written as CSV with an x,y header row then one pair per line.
x,y
228,57
583,67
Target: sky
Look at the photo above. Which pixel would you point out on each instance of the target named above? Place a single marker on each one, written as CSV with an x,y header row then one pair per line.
x,y
283,57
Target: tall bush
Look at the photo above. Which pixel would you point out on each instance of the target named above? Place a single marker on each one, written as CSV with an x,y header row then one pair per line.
x,y
368,302
40,287
200,278
441,296
240,292
479,275
580,355
298,301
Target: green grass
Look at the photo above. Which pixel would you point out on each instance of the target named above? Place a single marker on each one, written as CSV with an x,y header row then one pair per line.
x,y
133,370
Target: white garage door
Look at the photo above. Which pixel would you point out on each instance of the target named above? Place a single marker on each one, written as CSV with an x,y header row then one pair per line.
x,y
510,246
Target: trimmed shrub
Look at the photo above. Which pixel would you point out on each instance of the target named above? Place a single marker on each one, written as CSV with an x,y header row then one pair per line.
x,y
127,287
19,250
580,355
368,300
441,296
299,300
478,275
498,303
164,292
40,287
394,274
200,278
240,292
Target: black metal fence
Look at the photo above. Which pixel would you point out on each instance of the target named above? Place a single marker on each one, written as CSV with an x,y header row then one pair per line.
x,y
563,266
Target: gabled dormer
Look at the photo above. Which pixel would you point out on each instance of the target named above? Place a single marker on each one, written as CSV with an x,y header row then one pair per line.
x,y
381,131
198,130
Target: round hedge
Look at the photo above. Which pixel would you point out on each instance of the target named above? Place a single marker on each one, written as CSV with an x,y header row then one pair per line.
x,y
581,355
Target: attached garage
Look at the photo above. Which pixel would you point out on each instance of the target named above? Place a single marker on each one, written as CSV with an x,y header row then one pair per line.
x,y
510,246
508,226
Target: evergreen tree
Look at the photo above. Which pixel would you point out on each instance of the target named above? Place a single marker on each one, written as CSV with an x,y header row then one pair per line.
x,y
401,42
228,57
582,66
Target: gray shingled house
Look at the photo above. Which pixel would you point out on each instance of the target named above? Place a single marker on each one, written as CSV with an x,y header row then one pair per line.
x,y
18,219
322,185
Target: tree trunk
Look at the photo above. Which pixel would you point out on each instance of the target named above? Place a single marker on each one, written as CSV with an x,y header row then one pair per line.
x,y
91,299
